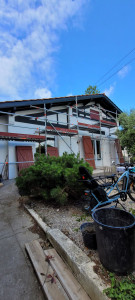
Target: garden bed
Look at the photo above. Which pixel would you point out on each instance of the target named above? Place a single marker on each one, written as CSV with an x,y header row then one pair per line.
x,y
68,219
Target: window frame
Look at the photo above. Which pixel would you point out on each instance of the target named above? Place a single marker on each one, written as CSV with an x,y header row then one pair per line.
x,y
96,144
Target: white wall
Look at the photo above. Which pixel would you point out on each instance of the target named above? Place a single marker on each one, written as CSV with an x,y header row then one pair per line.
x,y
64,148
105,151
12,169
3,144
62,119
19,128
3,121
3,153
52,118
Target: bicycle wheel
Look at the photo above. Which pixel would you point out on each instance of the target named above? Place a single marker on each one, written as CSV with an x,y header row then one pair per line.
x,y
131,189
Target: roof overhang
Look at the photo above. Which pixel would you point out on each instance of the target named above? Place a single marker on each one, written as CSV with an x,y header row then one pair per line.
x,y
99,99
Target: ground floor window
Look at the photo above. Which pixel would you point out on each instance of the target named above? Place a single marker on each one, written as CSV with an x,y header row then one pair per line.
x,y
96,144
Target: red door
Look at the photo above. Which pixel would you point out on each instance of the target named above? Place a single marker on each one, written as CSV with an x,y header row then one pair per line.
x,y
52,151
24,154
119,151
88,151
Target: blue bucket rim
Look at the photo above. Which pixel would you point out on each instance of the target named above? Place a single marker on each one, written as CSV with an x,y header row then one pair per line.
x,y
108,226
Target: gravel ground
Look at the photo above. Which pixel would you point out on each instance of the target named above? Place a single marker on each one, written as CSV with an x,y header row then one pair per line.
x,y
69,219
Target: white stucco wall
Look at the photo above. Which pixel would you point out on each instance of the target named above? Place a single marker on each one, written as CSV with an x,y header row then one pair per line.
x,y
3,144
105,150
52,118
114,155
64,148
9,147
3,153
3,121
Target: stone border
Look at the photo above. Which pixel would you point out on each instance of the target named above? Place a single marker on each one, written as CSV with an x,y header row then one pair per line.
x,y
79,262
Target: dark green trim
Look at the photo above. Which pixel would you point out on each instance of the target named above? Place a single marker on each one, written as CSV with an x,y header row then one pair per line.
x,y
101,99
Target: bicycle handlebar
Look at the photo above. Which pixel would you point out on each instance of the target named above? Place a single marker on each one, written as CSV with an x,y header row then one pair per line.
x,y
131,169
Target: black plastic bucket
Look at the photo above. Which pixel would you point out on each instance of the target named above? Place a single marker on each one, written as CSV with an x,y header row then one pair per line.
x,y
89,235
115,239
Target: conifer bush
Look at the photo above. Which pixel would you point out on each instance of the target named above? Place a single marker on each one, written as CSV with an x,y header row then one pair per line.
x,y
53,178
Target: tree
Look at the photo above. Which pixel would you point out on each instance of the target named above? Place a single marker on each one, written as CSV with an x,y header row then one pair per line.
x,y
126,133
92,90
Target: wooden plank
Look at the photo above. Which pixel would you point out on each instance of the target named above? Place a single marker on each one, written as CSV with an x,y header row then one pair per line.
x,y
22,136
53,291
62,130
68,281
88,125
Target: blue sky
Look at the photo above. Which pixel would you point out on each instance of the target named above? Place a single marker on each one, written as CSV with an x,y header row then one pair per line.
x,y
55,48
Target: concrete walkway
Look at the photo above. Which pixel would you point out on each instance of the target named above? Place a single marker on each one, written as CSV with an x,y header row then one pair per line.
x,y
17,278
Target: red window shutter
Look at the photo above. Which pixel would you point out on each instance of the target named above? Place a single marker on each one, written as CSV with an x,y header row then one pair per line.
x,y
88,151
52,151
24,153
94,115
119,151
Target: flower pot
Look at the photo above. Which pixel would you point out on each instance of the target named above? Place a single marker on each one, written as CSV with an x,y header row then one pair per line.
x,y
115,232
89,235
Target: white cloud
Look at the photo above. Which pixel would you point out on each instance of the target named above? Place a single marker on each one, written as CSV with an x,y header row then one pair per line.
x,y
43,93
109,91
124,71
70,94
29,37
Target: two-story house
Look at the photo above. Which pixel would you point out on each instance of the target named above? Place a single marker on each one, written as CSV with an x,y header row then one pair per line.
x,y
83,124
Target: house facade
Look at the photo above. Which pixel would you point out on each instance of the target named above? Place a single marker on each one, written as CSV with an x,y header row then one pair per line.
x,y
83,125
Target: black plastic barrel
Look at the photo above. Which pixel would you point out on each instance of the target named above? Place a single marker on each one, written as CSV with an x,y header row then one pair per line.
x,y
89,235
115,239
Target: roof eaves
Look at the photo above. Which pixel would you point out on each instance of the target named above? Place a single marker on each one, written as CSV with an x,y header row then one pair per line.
x,y
56,100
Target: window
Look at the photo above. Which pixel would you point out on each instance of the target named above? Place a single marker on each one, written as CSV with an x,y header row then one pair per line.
x,y
97,149
93,146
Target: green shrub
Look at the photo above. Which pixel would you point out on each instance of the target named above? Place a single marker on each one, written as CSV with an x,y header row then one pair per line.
x,y
53,178
59,195
123,289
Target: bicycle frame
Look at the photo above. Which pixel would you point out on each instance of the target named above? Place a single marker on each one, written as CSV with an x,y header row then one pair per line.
x,y
115,185
113,198
110,200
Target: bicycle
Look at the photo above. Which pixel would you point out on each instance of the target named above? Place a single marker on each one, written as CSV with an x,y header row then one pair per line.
x,y
99,195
